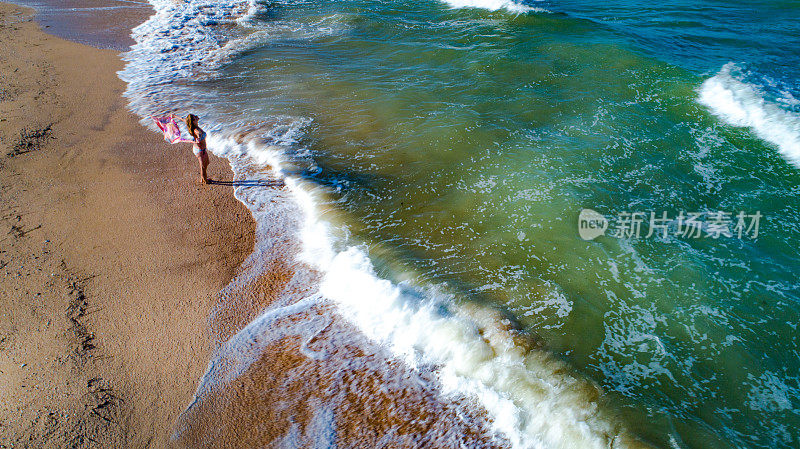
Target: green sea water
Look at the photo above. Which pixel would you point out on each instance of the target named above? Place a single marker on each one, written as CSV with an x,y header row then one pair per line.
x,y
461,144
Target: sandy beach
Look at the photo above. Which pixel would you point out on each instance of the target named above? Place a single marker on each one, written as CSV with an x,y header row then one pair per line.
x,y
111,253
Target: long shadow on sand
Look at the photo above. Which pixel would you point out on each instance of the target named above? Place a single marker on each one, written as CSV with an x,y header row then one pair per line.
x,y
249,183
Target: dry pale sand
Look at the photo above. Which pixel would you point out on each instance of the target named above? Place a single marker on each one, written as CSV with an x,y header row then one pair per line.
x,y
111,254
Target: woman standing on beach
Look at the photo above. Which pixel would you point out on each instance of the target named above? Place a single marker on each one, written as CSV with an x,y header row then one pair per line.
x,y
199,149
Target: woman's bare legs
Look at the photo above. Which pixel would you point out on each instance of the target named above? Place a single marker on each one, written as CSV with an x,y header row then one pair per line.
x,y
203,158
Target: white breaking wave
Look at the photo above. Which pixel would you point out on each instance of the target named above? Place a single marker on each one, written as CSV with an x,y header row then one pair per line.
x,y
533,399
494,5
743,104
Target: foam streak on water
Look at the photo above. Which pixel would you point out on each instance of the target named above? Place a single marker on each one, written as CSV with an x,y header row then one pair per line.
x,y
743,104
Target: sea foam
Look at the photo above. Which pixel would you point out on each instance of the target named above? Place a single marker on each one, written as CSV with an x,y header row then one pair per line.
x,y
494,5
533,399
743,104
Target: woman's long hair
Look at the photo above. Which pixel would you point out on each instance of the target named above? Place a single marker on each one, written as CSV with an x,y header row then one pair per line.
x,y
191,123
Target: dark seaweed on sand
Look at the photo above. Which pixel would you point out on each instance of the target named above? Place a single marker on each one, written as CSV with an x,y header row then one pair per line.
x,y
31,140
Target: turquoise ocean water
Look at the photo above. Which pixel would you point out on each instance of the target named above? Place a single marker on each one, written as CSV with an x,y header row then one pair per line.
x,y
459,142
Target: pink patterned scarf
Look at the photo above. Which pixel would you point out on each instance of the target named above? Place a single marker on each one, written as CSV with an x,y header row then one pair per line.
x,y
172,133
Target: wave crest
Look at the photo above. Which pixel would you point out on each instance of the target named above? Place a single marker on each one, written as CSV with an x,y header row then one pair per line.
x,y
494,5
743,104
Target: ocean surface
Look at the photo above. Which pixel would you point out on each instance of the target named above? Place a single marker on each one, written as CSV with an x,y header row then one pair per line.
x,y
442,153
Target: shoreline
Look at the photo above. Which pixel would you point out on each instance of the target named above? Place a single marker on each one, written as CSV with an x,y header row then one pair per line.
x,y
112,256
283,362
140,356
365,304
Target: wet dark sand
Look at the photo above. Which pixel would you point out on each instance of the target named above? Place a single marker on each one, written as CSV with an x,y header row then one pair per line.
x,y
99,23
